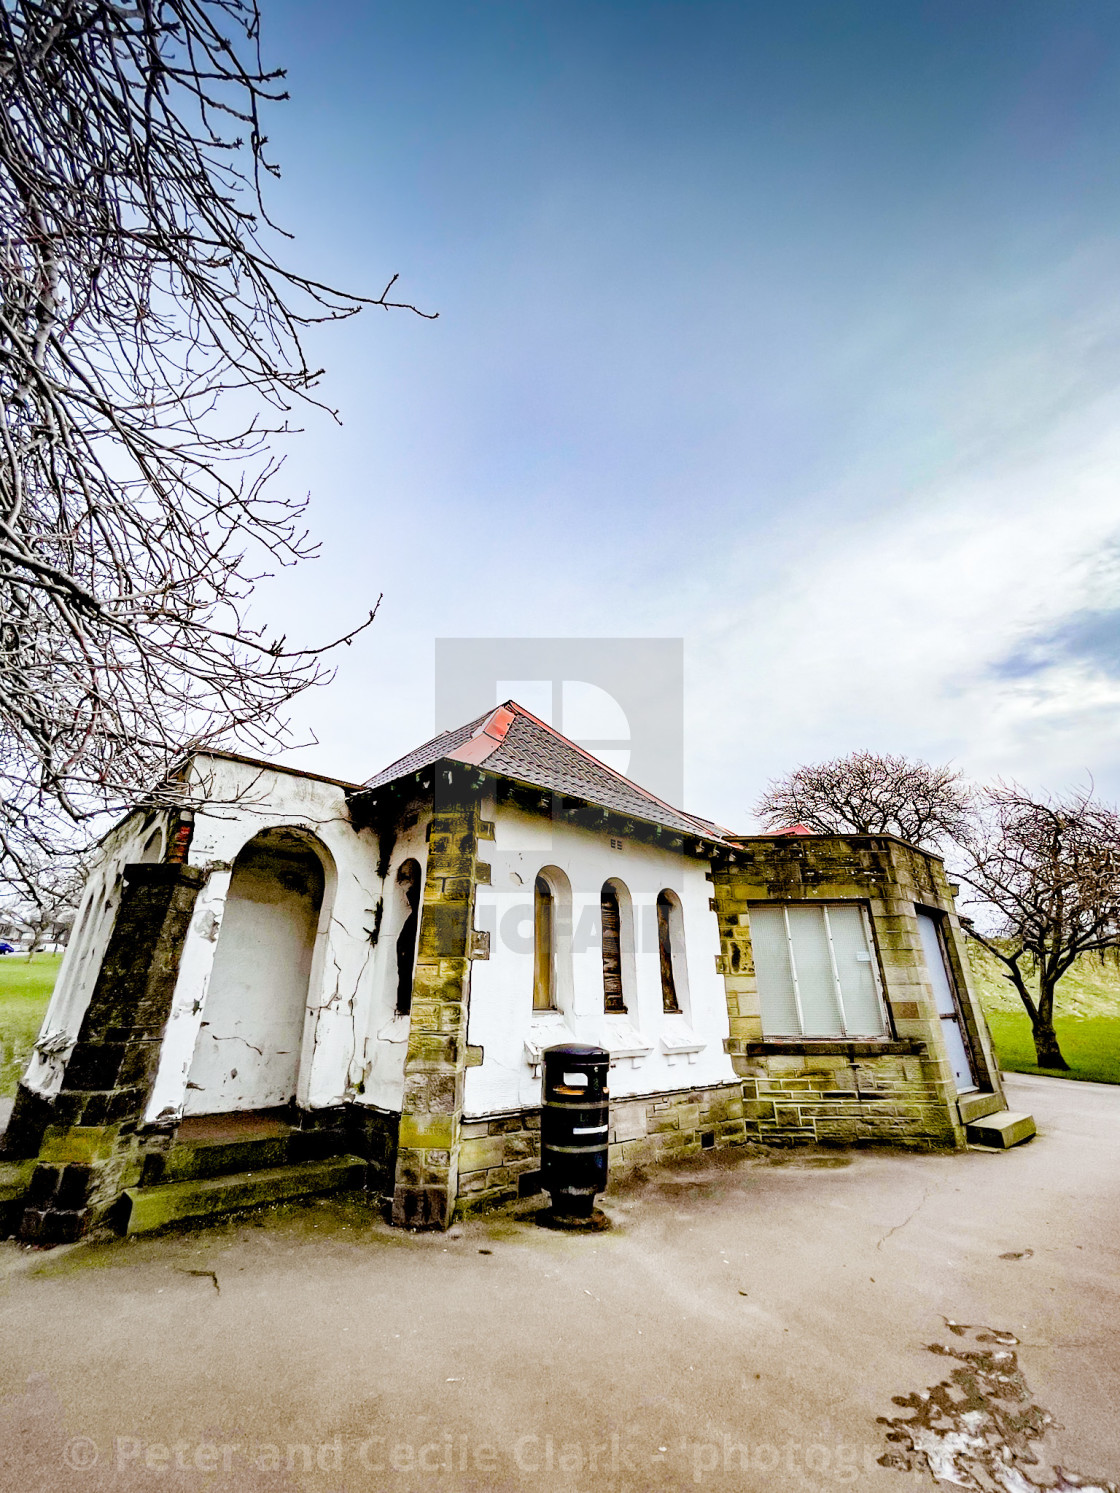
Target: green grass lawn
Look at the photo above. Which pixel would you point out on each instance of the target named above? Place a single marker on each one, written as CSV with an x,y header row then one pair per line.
x,y
1090,1045
1087,1018
25,988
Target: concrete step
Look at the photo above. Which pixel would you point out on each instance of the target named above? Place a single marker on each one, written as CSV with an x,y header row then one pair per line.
x,y
1004,1130
151,1207
976,1106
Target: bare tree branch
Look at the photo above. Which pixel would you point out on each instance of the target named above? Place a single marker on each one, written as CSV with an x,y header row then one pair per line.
x,y
869,793
1047,873
150,349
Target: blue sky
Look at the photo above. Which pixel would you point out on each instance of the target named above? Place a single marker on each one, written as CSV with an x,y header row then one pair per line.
x,y
792,331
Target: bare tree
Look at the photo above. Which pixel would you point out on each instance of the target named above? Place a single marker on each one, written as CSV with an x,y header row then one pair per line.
x,y
47,914
871,793
150,348
1048,871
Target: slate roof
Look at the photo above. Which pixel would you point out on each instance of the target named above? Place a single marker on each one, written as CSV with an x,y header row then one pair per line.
x,y
423,756
512,743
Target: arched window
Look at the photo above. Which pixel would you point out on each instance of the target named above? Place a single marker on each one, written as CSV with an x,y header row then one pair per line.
x,y
408,891
552,940
544,946
614,1001
665,919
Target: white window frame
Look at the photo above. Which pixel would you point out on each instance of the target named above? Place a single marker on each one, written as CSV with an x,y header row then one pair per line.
x,y
884,1017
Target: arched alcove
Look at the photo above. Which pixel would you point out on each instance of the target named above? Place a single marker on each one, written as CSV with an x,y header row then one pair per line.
x,y
153,848
408,913
248,1048
544,946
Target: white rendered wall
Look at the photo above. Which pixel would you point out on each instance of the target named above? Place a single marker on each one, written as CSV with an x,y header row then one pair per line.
x,y
377,1072
342,1058
352,1046
501,1014
139,837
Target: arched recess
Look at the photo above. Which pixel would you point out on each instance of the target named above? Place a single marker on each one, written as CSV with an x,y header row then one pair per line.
x,y
552,940
248,1050
408,918
617,910
153,848
671,953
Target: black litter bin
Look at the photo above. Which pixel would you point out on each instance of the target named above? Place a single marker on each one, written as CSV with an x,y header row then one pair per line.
x,y
575,1122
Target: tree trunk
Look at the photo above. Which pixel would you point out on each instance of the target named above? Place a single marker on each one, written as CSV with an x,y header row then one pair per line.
x,y
1042,1022
1046,1044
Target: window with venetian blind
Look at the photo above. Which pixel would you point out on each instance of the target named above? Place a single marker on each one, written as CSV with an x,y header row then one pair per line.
x,y
816,971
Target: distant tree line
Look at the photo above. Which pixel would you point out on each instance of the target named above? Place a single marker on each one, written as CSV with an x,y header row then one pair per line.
x,y
1042,870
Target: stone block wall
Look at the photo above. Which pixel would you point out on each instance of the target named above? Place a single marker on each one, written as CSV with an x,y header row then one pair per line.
x,y
821,1099
500,1155
665,1127
87,1139
427,1161
899,1090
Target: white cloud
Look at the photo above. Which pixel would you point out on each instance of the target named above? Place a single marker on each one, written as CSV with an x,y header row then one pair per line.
x,y
884,633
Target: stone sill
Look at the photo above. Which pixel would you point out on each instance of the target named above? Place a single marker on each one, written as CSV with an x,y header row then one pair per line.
x,y
624,1042
548,1029
908,1047
678,1040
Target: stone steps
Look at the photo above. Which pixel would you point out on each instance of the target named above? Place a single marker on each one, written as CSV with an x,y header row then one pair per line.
x,y
978,1106
1002,1130
151,1208
15,1179
218,1158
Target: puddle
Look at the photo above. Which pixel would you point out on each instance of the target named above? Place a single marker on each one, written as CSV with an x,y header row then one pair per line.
x,y
979,1427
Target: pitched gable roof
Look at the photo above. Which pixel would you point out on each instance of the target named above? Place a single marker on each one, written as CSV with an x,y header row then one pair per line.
x,y
512,743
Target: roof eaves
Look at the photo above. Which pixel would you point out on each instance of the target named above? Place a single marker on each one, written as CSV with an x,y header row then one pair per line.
x,y
487,735
696,829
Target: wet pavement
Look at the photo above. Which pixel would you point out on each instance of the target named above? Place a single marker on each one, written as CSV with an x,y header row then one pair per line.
x,y
822,1320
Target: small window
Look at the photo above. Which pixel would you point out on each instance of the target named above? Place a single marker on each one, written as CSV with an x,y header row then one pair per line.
x,y
613,1001
669,999
408,891
544,947
816,973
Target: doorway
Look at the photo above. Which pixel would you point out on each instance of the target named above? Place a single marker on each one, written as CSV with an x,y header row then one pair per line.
x,y
948,1008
